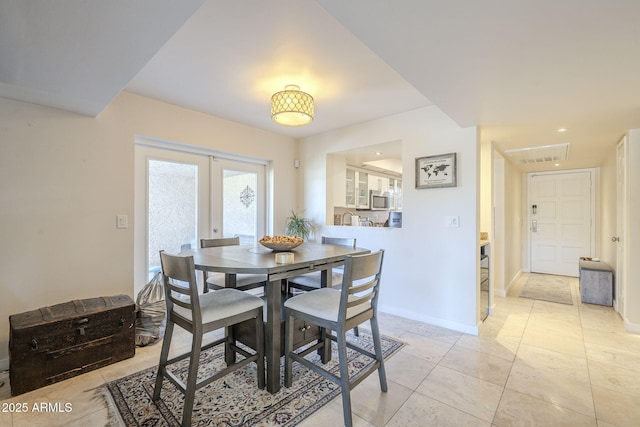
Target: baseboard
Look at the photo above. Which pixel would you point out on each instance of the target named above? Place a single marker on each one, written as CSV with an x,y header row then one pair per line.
x,y
512,283
634,328
4,364
420,317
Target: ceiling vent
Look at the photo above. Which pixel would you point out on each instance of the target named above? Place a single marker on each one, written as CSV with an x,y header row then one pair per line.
x,y
533,155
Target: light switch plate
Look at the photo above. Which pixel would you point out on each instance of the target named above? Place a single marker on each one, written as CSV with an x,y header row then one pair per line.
x,y
122,221
452,221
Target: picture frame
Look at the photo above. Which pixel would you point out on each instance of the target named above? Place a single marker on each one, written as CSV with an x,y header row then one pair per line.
x,y
437,171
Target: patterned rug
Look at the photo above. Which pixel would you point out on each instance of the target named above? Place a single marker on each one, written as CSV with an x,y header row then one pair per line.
x,y
548,288
235,400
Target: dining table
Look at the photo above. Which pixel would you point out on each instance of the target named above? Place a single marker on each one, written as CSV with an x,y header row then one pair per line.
x,y
257,259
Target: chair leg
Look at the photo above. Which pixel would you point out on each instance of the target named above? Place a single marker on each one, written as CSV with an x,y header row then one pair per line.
x,y
288,348
192,377
164,356
375,332
260,349
356,331
345,384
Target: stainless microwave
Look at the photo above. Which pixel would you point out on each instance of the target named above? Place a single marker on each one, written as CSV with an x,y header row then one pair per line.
x,y
379,200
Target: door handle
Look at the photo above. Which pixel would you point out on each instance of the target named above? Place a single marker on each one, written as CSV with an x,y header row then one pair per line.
x,y
534,226
615,239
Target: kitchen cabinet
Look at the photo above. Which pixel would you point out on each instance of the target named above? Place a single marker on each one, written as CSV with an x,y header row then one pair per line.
x,y
357,189
378,183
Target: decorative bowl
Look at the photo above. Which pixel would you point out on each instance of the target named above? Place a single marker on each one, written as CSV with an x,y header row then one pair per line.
x,y
281,243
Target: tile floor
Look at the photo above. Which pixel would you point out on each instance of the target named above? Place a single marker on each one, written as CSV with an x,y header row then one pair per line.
x,y
534,363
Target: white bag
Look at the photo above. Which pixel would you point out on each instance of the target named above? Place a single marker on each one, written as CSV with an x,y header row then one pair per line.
x,y
152,312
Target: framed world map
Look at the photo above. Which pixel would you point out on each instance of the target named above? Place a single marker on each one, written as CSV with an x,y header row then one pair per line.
x,y
436,171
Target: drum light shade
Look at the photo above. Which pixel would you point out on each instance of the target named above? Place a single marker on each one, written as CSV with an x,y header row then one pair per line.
x,y
292,107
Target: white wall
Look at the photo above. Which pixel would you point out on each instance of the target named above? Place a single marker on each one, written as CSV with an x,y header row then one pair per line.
x,y
633,233
65,177
430,272
608,203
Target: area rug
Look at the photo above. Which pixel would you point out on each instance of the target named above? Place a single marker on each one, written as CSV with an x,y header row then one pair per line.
x,y
548,288
235,400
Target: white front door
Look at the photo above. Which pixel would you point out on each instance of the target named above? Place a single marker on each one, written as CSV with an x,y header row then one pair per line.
x,y
621,218
560,213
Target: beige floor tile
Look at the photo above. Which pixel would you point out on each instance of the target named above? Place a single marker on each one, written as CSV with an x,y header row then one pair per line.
x,y
469,394
61,403
374,406
620,379
551,341
420,410
550,387
613,338
391,325
435,332
408,370
425,348
613,356
503,348
331,415
553,363
557,328
517,409
480,365
616,408
509,327
6,412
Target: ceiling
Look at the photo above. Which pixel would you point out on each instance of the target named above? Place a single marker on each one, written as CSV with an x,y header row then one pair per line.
x,y
519,70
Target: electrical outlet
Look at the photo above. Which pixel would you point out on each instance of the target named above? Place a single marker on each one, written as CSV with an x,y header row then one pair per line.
x,y
452,221
122,221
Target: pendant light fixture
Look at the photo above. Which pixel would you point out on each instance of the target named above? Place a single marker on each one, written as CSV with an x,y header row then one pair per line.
x,y
292,107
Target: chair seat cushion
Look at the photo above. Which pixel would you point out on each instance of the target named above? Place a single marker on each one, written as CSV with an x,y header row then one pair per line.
x,y
313,279
222,303
241,279
323,303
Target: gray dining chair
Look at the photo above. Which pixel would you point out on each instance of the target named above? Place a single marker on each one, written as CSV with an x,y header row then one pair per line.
x,y
311,281
214,281
339,310
198,315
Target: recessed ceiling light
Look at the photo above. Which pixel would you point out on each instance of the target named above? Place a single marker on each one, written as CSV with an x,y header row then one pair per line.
x,y
562,130
557,164
378,153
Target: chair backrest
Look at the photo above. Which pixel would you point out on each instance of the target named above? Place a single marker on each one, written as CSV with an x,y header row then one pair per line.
x,y
361,282
180,286
343,241
224,241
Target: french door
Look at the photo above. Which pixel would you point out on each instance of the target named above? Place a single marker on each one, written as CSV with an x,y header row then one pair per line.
x,y
182,197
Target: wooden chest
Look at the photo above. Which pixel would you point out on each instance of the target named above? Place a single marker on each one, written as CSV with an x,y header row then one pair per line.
x,y
54,343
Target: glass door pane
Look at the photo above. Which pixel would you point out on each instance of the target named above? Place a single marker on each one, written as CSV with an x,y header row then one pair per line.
x,y
172,214
239,205
238,200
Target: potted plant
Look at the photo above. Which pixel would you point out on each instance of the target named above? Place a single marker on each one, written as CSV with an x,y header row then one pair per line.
x,y
299,226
